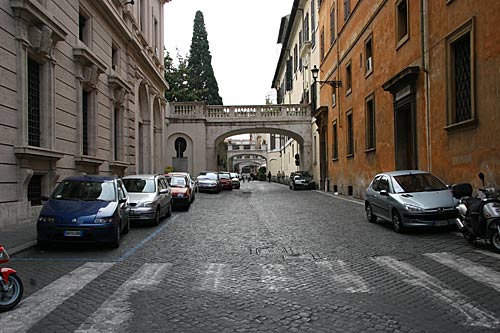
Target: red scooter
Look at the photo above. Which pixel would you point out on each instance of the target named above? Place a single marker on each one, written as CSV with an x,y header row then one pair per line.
x,y
11,286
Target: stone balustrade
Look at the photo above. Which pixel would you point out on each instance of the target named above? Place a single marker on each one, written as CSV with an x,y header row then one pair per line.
x,y
197,110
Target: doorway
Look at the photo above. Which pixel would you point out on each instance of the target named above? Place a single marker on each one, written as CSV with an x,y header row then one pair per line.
x,y
405,136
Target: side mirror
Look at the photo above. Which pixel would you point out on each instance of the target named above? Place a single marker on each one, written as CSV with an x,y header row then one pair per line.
x,y
44,198
163,191
384,193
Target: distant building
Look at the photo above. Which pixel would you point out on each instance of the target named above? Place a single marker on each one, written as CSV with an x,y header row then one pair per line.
x,y
82,86
419,89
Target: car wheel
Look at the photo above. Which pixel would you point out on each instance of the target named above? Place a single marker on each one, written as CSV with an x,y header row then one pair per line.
x,y
43,244
156,218
169,210
193,197
397,223
116,242
369,213
127,227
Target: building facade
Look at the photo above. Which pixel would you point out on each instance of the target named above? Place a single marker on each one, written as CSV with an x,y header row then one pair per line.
x,y
419,89
82,91
298,36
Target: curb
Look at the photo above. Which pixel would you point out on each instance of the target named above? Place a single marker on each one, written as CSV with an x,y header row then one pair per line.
x,y
20,248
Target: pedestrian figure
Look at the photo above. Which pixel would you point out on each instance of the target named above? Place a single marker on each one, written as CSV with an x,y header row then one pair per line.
x,y
269,176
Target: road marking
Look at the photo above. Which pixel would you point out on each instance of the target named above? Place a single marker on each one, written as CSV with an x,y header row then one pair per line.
x,y
273,277
466,267
114,313
416,277
340,197
35,307
213,277
489,254
345,279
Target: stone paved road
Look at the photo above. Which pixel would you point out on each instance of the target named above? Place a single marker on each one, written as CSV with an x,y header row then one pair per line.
x,y
263,258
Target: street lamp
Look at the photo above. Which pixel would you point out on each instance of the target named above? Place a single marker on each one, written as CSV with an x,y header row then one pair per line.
x,y
335,83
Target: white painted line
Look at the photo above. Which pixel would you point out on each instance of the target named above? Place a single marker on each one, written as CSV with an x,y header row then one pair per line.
x,y
115,312
340,197
35,307
416,277
213,277
489,254
345,279
273,277
466,267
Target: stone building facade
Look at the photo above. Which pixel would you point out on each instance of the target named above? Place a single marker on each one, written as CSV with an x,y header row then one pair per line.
x,y
298,36
81,86
420,85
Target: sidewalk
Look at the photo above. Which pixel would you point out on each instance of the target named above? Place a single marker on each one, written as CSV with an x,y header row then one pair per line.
x,y
18,238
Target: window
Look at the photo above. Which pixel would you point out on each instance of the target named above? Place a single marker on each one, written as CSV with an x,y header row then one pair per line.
x,y
85,123
350,134
33,103
142,15
347,9
115,59
117,132
335,142
370,123
322,44
315,149
368,56
289,75
348,78
332,25
401,21
313,24
295,58
35,190
305,28
156,38
460,77
84,27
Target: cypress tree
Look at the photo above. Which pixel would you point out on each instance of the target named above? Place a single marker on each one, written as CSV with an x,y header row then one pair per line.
x,y
201,78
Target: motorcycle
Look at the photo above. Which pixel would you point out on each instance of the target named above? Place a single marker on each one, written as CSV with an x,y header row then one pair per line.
x,y
11,286
479,217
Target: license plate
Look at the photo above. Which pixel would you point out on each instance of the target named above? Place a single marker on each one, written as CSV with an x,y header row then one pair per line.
x,y
72,233
441,223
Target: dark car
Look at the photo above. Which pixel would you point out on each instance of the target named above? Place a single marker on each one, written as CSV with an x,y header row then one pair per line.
x,y
410,198
85,209
301,180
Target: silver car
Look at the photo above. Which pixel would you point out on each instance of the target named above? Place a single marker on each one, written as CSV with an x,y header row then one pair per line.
x,y
410,198
150,197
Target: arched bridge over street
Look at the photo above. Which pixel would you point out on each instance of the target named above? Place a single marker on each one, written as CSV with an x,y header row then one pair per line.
x,y
205,126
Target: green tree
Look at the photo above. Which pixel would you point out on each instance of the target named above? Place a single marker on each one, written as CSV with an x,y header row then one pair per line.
x,y
201,78
177,78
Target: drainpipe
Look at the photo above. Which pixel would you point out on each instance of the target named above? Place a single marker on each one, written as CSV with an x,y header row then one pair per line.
x,y
424,45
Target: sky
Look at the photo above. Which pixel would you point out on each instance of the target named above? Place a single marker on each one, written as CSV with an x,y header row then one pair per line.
x,y
242,36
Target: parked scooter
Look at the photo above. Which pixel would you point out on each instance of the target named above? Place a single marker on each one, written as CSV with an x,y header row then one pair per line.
x,y
11,286
479,217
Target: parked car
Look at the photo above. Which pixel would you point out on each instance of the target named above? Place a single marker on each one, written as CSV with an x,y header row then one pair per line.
x,y
85,208
208,182
191,182
235,179
181,191
150,197
301,180
410,198
225,181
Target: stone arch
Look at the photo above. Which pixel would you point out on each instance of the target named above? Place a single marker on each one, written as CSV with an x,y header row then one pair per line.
x,y
187,157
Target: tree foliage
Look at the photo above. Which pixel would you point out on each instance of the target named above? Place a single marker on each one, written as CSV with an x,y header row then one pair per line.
x,y
193,79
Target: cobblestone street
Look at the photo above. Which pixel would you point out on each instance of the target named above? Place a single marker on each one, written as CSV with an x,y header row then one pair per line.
x,y
263,258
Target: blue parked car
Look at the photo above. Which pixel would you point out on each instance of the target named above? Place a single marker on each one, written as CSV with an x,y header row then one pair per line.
x,y
85,209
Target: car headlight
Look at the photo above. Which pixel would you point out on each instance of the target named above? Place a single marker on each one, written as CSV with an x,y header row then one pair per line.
x,y
146,204
46,219
103,220
413,209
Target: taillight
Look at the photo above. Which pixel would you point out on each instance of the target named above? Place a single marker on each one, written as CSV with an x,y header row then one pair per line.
x,y
4,256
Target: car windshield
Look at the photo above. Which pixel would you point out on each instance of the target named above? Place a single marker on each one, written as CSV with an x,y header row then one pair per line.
x,y
85,190
419,182
224,176
137,185
176,181
212,176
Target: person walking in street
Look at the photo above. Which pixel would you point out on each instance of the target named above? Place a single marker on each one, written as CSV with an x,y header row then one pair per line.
x,y
269,176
